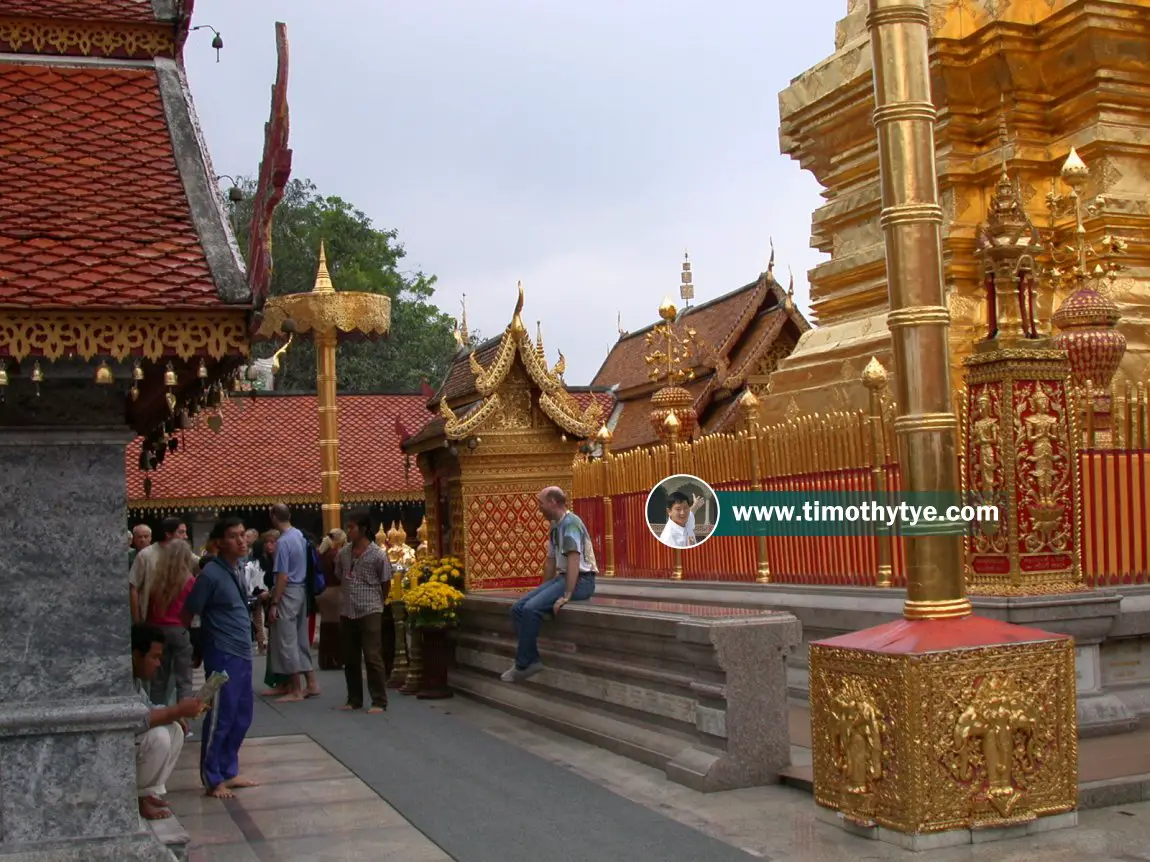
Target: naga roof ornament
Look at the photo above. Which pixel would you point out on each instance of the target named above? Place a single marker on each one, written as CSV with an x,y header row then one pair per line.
x,y
554,399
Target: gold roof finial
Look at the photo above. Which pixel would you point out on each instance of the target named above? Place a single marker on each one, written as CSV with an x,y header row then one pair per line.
x,y
539,350
668,310
322,277
464,337
687,288
748,401
619,325
874,375
1074,170
517,327
771,262
791,287
278,355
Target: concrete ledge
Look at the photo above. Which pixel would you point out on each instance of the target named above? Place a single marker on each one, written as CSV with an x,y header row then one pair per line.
x,y
142,847
698,692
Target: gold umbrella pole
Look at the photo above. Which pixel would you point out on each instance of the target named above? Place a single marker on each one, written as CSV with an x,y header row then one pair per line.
x,y
325,345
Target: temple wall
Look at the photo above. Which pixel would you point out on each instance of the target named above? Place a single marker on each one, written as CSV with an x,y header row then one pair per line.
x,y
1069,72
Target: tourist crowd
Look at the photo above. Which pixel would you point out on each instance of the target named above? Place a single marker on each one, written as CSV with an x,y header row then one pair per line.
x,y
248,593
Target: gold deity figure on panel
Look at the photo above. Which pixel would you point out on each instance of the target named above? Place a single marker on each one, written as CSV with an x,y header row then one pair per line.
x,y
986,438
856,738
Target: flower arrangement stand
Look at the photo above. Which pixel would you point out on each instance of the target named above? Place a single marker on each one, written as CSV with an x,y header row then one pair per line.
x,y
437,648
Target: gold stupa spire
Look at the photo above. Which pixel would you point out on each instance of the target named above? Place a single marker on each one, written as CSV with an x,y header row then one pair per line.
x,y
322,277
464,333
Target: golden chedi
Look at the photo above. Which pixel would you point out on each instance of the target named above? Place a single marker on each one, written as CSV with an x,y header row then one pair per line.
x,y
1061,65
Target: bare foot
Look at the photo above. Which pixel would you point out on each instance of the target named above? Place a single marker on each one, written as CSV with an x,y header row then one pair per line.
x,y
347,707
240,781
158,801
274,692
313,693
153,812
220,792
291,698
376,710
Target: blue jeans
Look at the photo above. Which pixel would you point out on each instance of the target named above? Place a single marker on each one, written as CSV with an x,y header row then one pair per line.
x,y
527,613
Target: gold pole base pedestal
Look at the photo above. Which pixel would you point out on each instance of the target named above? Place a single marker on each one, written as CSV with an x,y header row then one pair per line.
x,y
924,727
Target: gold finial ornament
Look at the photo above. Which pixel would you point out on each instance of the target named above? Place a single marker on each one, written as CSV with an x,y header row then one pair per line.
x,y
517,327
104,376
748,402
672,424
278,355
668,310
619,325
539,340
1074,170
874,376
322,276
604,434
687,288
771,262
463,336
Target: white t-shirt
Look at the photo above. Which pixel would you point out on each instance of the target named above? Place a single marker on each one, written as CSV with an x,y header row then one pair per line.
x,y
679,537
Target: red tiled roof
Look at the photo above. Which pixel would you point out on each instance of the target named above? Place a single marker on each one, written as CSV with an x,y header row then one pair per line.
x,y
93,211
128,11
714,321
633,427
268,450
460,381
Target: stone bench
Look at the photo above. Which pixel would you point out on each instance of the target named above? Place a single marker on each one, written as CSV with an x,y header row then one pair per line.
x,y
699,692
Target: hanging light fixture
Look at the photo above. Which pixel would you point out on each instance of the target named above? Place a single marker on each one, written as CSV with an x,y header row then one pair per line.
x,y
104,376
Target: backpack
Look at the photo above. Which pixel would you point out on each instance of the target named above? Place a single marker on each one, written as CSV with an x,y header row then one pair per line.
x,y
316,583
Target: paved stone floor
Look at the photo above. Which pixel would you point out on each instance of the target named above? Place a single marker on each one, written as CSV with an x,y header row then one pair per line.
x,y
456,780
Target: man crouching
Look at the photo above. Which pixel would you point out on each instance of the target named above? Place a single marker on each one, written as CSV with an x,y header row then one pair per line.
x,y
158,746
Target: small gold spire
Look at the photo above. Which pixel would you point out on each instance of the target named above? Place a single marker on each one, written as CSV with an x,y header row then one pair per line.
x,y
604,434
464,336
1003,132
748,401
322,277
104,376
667,309
771,262
539,339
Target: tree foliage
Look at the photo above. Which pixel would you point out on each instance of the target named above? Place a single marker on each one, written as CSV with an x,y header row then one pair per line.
x,y
360,257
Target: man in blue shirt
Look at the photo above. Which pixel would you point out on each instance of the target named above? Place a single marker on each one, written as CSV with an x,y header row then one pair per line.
x,y
290,646
568,576
220,600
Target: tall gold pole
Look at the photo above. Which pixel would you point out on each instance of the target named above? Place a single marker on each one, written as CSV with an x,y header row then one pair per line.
x,y
904,117
750,406
672,426
874,378
604,438
325,344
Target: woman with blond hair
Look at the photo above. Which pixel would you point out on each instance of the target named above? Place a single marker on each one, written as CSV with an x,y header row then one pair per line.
x,y
164,592
327,602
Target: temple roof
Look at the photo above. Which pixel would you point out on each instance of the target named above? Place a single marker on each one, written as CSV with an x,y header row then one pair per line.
x,y
267,451
109,200
468,394
737,330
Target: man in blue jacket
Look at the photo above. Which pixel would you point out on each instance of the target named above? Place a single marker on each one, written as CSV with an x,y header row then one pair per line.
x,y
219,597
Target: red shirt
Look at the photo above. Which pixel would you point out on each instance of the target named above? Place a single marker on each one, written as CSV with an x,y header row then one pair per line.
x,y
171,615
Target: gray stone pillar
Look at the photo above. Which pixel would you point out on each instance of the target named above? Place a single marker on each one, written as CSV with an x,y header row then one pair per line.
x,y
68,713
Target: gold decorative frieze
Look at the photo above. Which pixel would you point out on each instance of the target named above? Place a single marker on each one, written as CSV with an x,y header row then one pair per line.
x,y
190,504
86,39
148,334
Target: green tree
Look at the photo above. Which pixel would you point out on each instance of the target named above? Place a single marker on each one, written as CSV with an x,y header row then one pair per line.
x,y
360,257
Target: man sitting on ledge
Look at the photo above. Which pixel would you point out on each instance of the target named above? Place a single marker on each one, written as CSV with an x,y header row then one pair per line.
x,y
568,576
158,746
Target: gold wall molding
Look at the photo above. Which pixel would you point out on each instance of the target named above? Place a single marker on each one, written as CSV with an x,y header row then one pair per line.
x,y
87,39
142,504
120,334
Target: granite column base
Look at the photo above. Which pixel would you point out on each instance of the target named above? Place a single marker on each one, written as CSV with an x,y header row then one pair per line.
x,y
68,711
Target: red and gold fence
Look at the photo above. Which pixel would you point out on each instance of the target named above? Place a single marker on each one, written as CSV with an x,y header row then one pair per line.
x,y
1115,497
845,452
812,454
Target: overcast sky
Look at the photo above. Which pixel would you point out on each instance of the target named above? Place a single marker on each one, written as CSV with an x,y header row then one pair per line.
x,y
580,147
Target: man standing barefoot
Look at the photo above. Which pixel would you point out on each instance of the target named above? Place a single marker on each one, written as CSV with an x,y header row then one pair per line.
x,y
290,645
220,600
